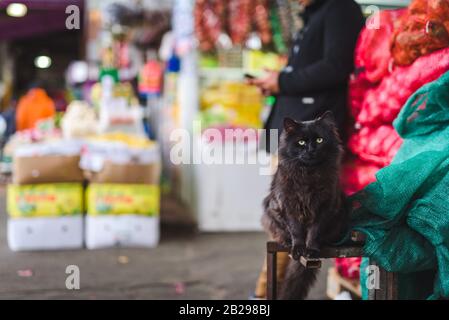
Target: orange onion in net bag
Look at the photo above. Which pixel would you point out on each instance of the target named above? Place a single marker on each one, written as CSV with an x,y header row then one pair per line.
x,y
424,29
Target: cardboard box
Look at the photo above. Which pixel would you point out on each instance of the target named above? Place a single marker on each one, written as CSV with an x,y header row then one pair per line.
x,y
126,173
45,200
49,233
123,231
46,169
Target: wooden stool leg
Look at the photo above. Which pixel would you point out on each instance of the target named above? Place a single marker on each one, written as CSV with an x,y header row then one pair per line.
x,y
392,286
271,275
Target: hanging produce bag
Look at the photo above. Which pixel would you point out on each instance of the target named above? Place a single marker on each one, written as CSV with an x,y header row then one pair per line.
x,y
372,53
382,104
377,146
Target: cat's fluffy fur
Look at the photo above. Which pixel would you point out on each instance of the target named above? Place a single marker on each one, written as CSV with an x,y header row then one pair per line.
x,y
304,208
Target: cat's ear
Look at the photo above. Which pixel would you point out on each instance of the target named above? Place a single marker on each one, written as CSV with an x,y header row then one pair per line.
x,y
327,116
290,125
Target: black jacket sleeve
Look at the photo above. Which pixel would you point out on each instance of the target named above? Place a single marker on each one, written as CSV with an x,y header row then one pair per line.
x,y
343,22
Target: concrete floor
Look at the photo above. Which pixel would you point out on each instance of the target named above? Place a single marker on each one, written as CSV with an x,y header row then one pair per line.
x,y
186,265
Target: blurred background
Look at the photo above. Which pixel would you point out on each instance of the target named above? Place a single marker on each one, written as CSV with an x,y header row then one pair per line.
x,y
90,92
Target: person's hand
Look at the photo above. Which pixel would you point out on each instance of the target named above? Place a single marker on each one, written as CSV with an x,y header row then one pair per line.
x,y
269,83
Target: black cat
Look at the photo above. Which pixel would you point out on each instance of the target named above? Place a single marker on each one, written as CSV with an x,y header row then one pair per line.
x,y
305,208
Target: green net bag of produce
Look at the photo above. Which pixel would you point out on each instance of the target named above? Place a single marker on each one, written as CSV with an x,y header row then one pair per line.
x,y
405,213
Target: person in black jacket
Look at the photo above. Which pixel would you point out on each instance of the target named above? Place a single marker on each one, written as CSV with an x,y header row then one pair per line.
x,y
320,62
315,79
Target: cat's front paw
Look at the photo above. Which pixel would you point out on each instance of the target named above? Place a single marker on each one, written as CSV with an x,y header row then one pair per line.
x,y
297,251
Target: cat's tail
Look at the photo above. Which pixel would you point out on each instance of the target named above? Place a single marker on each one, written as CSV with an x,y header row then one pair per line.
x,y
298,281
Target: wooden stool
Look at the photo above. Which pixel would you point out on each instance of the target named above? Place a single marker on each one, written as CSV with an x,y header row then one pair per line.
x,y
386,290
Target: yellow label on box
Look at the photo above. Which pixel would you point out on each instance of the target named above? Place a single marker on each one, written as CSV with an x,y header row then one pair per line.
x,y
118,199
45,200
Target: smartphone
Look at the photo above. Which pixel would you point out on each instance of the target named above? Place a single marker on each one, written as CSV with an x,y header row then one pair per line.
x,y
249,76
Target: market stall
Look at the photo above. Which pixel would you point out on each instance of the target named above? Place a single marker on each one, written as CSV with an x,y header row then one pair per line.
x,y
231,42
160,107
90,173
110,172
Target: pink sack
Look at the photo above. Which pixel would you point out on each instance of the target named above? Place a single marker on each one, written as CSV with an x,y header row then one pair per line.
x,y
372,52
382,104
357,174
376,145
358,87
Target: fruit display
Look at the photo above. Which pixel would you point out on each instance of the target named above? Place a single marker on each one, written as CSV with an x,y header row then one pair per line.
x,y
218,22
120,90
209,22
262,21
239,20
30,136
80,120
131,141
231,103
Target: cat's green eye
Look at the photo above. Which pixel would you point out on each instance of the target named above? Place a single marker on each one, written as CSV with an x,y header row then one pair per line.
x,y
302,142
319,140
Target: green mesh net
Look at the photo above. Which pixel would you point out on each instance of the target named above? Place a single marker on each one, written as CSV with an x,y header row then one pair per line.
x,y
405,213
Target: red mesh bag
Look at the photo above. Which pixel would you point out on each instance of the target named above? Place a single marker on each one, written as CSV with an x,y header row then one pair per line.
x,y
358,87
383,103
376,145
421,31
357,174
209,22
372,52
239,20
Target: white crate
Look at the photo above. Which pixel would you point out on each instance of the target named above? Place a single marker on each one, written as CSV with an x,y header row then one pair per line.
x,y
121,230
228,197
26,234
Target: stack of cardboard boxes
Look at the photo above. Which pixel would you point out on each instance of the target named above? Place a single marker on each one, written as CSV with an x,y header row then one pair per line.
x,y
123,196
114,180
45,201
